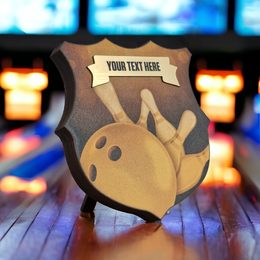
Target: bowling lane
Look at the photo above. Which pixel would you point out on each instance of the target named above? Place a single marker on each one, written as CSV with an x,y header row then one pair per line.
x,y
18,143
247,146
28,145
216,222
247,154
28,154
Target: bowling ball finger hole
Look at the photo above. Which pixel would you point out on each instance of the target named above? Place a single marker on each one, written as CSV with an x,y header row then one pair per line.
x,y
101,142
92,172
114,153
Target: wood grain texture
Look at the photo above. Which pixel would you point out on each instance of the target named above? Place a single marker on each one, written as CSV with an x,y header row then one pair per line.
x,y
212,223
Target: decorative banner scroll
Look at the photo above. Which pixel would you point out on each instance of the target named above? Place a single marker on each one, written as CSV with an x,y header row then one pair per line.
x,y
106,66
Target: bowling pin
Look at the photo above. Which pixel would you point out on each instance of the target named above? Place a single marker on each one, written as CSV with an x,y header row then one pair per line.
x,y
175,145
108,96
191,169
143,115
165,131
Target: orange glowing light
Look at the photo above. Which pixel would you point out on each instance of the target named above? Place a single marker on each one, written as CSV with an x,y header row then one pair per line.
x,y
214,176
221,150
20,78
10,184
221,172
209,178
232,177
203,82
36,186
22,105
234,83
219,80
23,92
222,176
218,174
218,106
14,146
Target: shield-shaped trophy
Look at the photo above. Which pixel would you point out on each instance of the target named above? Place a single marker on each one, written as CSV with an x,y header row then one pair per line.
x,y
134,137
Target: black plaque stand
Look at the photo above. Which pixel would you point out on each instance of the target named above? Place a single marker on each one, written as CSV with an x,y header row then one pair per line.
x,y
87,207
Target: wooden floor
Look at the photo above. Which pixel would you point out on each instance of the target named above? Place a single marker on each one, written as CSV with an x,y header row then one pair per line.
x,y
214,223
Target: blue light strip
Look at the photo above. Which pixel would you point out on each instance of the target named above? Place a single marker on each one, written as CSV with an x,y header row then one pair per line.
x,y
38,164
39,17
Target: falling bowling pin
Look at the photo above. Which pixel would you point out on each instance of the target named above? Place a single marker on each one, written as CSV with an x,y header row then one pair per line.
x,y
143,115
164,129
175,145
191,169
108,96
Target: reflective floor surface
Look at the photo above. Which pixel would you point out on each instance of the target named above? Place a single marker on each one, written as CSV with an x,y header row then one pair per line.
x,y
214,223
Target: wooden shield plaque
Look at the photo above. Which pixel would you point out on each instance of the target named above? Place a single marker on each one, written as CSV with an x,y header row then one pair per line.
x,y
134,136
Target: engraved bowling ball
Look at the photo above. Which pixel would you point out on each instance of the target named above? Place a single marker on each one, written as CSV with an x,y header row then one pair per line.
x,y
130,165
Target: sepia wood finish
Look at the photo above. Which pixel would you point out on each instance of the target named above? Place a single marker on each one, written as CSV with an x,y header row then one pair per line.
x,y
121,100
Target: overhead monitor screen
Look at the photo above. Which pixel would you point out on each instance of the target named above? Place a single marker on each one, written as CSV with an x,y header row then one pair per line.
x,y
247,17
39,16
153,17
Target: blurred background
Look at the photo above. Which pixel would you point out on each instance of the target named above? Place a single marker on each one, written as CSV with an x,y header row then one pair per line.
x,y
222,35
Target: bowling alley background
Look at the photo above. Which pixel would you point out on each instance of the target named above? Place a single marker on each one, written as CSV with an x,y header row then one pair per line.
x,y
222,36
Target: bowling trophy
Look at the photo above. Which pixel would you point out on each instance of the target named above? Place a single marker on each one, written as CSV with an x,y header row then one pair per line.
x,y
134,137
